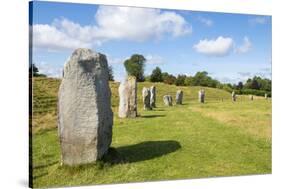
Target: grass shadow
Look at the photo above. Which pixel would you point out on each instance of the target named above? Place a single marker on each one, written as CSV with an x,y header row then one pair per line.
x,y
147,150
151,116
45,165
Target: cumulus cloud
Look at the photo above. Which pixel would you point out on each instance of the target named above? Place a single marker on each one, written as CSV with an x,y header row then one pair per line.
x,y
51,70
215,47
245,47
112,23
258,20
154,59
206,21
245,74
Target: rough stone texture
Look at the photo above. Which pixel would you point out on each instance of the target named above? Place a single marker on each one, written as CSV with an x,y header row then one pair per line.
x,y
201,96
85,117
179,97
251,97
128,98
168,100
233,95
146,98
153,96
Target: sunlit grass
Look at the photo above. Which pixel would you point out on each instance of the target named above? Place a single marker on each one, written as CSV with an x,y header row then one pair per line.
x,y
219,138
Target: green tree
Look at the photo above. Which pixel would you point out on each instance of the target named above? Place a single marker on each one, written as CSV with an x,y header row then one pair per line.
x,y
135,66
156,75
110,73
168,78
180,80
34,71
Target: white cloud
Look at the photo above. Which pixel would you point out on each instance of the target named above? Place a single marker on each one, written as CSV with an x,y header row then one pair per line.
x,y
215,47
206,21
112,23
245,47
49,69
154,59
258,20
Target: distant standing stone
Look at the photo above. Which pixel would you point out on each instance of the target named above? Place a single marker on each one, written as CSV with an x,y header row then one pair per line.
x,y
265,96
179,97
146,98
233,95
128,98
251,97
85,117
153,97
201,96
168,100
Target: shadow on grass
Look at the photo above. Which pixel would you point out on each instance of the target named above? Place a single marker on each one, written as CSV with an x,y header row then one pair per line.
x,y
141,151
151,116
45,165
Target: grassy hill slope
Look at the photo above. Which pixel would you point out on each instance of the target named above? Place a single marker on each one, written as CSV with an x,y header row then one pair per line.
x,y
218,138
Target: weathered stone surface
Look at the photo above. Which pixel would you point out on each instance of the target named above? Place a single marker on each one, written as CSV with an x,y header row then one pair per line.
x,y
201,96
128,98
251,97
146,98
85,117
179,97
233,96
168,100
153,96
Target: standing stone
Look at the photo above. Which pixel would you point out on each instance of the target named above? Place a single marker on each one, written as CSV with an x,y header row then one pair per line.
x,y
201,96
146,98
251,97
179,96
85,117
153,97
233,95
265,96
168,100
128,98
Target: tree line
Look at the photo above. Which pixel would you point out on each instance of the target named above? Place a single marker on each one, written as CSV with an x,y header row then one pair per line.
x,y
136,63
256,85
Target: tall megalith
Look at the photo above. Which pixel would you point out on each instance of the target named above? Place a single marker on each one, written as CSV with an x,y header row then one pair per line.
x,y
146,98
153,96
128,98
85,117
179,96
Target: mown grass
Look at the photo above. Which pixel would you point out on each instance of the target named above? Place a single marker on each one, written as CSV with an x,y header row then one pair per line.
x,y
218,138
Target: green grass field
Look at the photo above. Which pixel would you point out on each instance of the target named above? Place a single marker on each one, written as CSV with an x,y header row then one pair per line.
x,y
218,138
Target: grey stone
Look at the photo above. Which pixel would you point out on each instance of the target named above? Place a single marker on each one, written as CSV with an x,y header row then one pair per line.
x,y
201,96
85,117
251,97
233,95
265,96
146,98
153,96
168,100
128,98
179,97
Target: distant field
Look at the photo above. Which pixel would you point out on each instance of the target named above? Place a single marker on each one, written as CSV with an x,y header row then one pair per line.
x,y
218,138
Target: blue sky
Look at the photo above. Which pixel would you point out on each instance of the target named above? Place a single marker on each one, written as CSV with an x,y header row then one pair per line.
x,y
230,47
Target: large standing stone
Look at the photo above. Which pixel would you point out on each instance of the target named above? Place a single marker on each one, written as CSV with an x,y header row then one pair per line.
x,y
146,98
153,97
179,96
85,117
168,100
233,95
201,96
128,98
